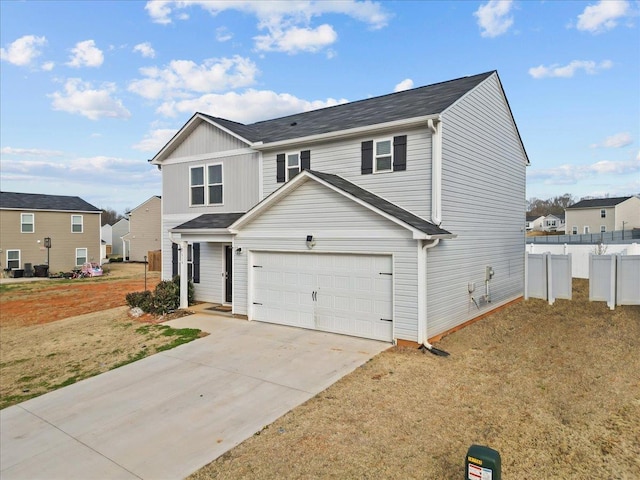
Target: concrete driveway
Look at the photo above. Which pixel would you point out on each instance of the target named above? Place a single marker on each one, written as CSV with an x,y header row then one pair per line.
x,y
167,415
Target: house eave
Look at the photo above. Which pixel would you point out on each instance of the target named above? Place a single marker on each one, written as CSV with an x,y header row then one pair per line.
x,y
351,132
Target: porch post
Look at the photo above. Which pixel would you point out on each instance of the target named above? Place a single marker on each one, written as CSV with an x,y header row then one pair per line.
x,y
184,273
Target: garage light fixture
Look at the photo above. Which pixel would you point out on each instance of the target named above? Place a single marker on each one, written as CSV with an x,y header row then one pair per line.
x,y
238,250
310,242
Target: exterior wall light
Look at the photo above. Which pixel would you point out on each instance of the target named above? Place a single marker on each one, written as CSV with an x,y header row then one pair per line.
x,y
239,251
310,242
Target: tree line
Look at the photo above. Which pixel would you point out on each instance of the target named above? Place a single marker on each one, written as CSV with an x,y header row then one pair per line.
x,y
110,216
550,206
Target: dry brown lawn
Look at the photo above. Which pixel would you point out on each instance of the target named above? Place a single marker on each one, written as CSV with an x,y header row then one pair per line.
x,y
38,354
555,389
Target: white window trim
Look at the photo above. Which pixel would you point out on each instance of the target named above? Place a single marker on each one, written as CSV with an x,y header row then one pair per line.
x,y
203,185
375,154
603,228
86,256
574,230
286,164
19,259
32,223
603,213
208,184
81,223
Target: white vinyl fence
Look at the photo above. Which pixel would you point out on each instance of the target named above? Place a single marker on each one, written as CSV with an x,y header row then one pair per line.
x,y
615,279
580,253
547,276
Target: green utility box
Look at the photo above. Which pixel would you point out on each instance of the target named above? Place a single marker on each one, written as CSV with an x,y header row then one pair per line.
x,y
483,463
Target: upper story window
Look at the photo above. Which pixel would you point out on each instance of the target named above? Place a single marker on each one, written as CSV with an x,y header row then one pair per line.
x,y
211,176
384,155
603,213
27,223
288,165
76,224
13,259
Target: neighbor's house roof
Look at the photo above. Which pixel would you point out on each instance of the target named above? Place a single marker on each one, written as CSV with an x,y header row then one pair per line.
x,y
37,201
598,203
421,228
421,102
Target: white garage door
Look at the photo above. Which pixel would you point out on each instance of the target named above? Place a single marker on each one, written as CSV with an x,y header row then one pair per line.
x,y
349,294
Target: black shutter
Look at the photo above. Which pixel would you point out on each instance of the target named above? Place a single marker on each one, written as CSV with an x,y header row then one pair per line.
x,y
196,263
367,157
399,153
305,160
280,170
174,259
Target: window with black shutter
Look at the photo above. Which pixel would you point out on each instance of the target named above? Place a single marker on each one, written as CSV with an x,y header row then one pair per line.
x,y
288,165
174,259
384,155
399,153
196,263
367,157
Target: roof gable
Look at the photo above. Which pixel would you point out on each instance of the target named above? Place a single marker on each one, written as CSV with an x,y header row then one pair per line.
x,y
37,201
421,228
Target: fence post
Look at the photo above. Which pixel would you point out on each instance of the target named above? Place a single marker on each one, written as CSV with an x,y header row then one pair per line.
x,y
611,303
526,275
549,269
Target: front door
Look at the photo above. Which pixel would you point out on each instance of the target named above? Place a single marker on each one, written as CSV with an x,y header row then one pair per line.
x,y
228,273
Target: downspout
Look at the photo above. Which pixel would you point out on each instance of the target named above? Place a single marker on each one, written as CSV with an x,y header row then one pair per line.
x,y
436,170
183,271
423,337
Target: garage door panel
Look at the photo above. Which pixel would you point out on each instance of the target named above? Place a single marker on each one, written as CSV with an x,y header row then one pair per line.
x,y
330,292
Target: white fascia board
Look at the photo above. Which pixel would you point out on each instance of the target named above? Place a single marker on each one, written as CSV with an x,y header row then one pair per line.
x,y
209,156
351,132
158,158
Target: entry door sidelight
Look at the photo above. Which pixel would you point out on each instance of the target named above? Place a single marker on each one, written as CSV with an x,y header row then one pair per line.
x,y
228,273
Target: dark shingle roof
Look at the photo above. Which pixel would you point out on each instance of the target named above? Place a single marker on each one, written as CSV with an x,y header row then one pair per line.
x,y
428,100
37,201
210,220
380,203
598,202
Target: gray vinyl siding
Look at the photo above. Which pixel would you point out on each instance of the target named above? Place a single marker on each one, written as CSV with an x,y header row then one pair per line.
x,y
206,138
338,225
410,189
483,173
240,185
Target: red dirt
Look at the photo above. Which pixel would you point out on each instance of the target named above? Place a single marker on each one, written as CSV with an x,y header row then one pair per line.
x,y
55,302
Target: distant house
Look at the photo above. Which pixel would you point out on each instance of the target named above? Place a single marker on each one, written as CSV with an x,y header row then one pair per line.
x,y
106,235
119,246
145,229
554,223
534,223
603,215
71,224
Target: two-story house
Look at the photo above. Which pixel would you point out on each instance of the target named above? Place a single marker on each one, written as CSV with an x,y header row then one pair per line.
x,y
599,215
554,223
145,229
364,218
534,223
36,229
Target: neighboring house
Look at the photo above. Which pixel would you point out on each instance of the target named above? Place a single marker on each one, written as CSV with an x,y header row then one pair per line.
x,y
603,215
362,219
145,229
553,223
106,235
534,223
119,246
71,224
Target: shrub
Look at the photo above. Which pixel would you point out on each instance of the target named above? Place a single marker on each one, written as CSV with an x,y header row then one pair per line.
x,y
142,300
166,297
115,259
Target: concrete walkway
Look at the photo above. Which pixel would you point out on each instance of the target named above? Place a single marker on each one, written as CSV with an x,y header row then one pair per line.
x,y
167,415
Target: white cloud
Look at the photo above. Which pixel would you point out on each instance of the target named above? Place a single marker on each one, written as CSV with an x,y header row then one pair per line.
x,y
23,51
223,34
295,39
48,66
618,140
572,174
493,17
32,152
603,16
145,49
81,98
250,106
182,77
85,54
287,24
155,140
567,71
405,84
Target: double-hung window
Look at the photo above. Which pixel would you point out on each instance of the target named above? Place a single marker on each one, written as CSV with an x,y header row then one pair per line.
x,y
288,165
13,259
81,256
293,165
603,228
383,157
603,213
76,224
574,230
27,223
209,177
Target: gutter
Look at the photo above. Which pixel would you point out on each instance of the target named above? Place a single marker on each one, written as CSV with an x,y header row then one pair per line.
x,y
436,170
422,299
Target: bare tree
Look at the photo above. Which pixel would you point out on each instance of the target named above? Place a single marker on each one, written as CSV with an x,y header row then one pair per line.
x,y
110,216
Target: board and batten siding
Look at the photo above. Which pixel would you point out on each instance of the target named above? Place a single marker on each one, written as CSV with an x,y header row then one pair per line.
x,y
240,185
410,189
338,225
206,138
483,202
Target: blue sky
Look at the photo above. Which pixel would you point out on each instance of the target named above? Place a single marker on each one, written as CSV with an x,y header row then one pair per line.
x,y
90,90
